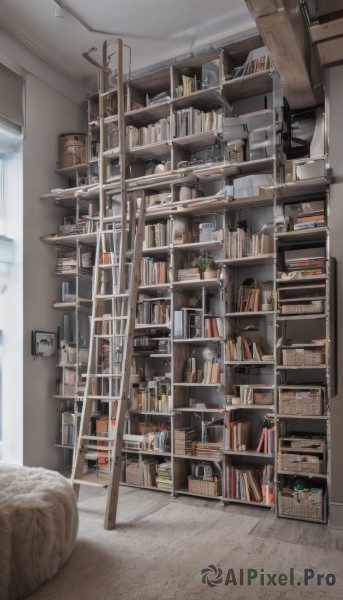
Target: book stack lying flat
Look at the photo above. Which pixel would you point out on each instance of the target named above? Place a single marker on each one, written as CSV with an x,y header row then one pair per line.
x,y
188,274
164,476
211,450
311,219
309,260
183,440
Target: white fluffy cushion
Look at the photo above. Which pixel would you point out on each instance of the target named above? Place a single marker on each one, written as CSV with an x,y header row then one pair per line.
x,y
38,527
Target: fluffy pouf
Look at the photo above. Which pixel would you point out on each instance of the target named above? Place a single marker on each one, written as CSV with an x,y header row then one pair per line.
x,y
38,527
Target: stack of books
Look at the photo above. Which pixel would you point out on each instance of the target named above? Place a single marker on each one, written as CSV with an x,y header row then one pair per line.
x,y
153,272
308,260
190,121
164,476
310,220
188,274
209,450
152,134
184,437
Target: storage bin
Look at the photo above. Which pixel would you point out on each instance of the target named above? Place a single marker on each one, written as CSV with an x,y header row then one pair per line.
x,y
301,357
300,463
206,487
314,307
73,149
133,472
300,402
302,505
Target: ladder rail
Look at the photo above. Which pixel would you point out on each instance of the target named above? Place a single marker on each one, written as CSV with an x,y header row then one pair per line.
x,y
112,337
113,488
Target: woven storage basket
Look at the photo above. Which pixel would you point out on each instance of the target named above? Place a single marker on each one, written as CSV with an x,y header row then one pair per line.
x,y
133,473
308,443
302,506
207,487
292,357
73,149
317,306
312,406
307,464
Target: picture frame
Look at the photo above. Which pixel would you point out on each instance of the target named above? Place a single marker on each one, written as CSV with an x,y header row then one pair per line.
x,y
43,343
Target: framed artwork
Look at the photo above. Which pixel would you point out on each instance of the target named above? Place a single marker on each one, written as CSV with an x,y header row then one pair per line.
x,y
43,343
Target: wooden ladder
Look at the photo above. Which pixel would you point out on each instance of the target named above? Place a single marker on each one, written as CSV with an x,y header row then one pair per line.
x,y
115,287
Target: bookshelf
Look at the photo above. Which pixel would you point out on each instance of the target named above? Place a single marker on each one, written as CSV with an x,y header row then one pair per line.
x,y
212,377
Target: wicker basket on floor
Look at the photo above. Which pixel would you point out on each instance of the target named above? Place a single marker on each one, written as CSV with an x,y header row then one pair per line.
x,y
303,505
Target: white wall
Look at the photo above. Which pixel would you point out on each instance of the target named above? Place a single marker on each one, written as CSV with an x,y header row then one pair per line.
x,y
48,113
335,94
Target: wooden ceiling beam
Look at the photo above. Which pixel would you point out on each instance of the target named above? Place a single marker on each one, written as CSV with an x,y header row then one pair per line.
x,y
283,29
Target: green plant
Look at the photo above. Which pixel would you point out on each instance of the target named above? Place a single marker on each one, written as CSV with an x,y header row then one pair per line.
x,y
203,261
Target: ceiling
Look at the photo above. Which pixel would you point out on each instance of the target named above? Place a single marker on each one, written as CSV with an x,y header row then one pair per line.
x,y
156,30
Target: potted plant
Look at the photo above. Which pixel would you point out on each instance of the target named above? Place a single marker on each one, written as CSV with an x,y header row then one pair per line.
x,y
206,265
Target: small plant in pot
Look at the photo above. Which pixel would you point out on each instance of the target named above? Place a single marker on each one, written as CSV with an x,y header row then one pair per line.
x,y
206,265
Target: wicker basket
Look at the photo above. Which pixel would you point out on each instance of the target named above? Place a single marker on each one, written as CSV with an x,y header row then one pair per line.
x,y
133,472
300,463
73,149
299,357
311,406
314,307
206,487
302,505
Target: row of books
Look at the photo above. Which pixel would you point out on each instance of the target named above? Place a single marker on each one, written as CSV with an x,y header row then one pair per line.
x,y
249,484
213,327
188,324
249,299
212,371
151,134
241,244
243,349
154,313
266,444
237,434
153,271
157,235
190,121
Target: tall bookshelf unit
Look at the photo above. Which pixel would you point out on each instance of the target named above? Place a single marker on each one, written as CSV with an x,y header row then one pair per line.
x,y
229,392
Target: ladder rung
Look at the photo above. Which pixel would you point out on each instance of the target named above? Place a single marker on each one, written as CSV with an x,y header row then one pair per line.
x,y
97,438
105,336
90,483
110,319
111,296
104,398
97,448
106,375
